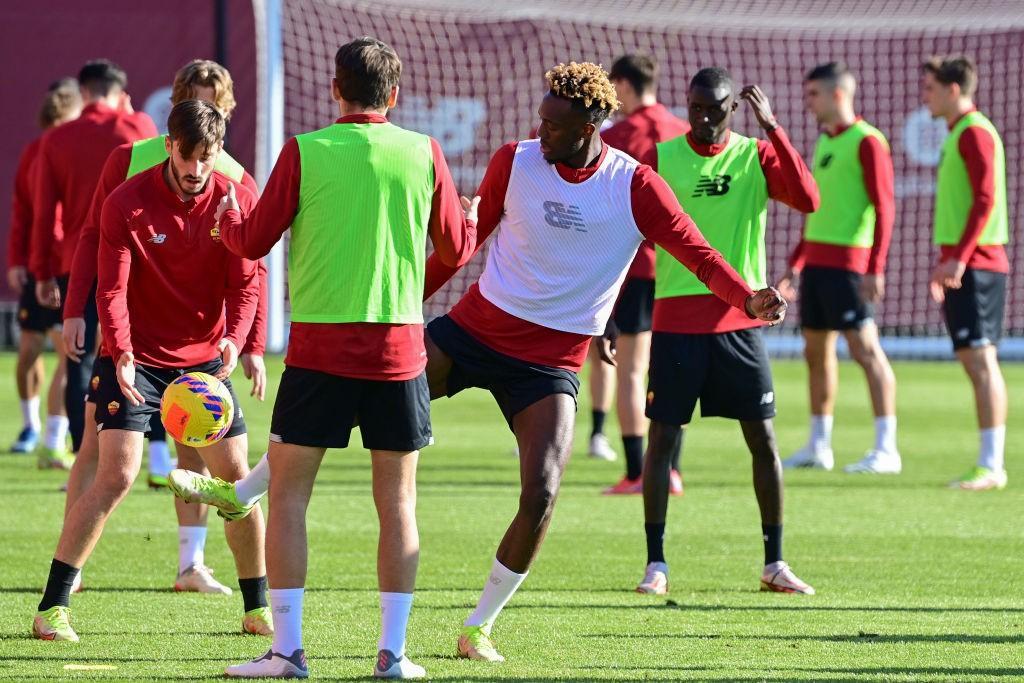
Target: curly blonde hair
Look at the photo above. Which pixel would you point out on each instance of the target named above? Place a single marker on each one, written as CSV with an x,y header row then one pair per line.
x,y
585,83
207,74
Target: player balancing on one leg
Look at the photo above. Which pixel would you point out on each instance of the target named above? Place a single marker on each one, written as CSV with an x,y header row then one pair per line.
x,y
562,249
702,350
646,123
157,231
840,264
63,103
971,230
210,82
361,196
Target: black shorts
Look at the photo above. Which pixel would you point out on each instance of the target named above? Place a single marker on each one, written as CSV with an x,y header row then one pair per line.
x,y
728,372
156,427
319,410
974,313
515,384
114,412
830,299
635,306
32,315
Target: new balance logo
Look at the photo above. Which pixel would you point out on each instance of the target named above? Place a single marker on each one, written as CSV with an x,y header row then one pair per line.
x,y
158,238
558,215
712,185
768,398
825,161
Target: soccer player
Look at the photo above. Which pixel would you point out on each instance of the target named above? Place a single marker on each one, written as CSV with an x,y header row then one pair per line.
x,y
971,230
840,264
701,349
361,196
161,259
63,103
210,82
70,161
645,124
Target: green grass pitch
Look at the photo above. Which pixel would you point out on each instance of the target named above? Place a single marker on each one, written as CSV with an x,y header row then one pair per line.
x,y
915,582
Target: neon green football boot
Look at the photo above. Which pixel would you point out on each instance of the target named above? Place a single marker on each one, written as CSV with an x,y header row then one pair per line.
x,y
197,488
53,459
258,622
54,624
475,643
980,478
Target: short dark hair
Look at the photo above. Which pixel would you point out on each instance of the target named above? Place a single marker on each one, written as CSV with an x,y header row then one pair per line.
x,y
639,70
712,78
193,123
959,69
831,72
101,76
366,70
62,98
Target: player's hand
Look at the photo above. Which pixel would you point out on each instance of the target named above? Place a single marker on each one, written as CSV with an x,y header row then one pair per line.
x,y
758,101
227,202
872,287
947,275
48,293
125,373
768,305
787,284
229,358
606,343
256,370
17,278
73,332
470,206
125,104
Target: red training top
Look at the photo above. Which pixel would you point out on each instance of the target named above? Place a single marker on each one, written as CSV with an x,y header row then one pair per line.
x,y
374,351
70,162
790,182
168,290
637,135
20,235
659,218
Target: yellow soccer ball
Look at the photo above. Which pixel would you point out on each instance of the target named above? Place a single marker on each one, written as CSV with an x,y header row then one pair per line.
x,y
196,409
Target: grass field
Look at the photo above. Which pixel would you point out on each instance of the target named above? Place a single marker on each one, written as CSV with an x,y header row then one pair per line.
x,y
915,582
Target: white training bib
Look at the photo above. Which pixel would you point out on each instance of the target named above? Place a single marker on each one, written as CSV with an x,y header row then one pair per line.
x,y
561,251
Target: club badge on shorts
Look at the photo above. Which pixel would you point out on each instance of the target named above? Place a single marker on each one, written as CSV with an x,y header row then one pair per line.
x,y
95,382
113,407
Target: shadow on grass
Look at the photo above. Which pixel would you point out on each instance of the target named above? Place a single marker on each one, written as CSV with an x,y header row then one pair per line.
x,y
744,608
860,638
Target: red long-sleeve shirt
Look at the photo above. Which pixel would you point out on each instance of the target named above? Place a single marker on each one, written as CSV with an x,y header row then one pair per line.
x,y
168,289
71,160
876,162
20,235
84,264
374,351
790,182
977,147
659,218
637,135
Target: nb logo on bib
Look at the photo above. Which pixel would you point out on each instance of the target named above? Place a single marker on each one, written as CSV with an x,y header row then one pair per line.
x,y
825,161
558,215
712,186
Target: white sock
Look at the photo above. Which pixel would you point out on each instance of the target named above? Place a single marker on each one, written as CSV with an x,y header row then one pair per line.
x,y
885,434
159,458
30,414
394,619
993,442
286,604
821,432
501,585
254,485
56,432
191,546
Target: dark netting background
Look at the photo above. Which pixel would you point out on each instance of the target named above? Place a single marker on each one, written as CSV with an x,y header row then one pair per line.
x,y
473,81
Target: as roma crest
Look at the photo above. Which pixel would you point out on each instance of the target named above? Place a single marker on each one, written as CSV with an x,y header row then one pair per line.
x,y
112,407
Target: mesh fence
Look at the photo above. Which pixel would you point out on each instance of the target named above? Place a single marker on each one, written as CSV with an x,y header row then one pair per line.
x,y
473,78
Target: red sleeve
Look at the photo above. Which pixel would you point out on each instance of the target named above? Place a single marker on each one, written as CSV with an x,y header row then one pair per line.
x,y
241,287
797,258
661,219
876,160
45,197
256,343
83,267
115,263
492,192
253,237
21,210
789,179
249,183
453,237
977,147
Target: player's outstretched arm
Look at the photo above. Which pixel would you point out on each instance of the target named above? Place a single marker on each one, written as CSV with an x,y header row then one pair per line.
x,y
452,227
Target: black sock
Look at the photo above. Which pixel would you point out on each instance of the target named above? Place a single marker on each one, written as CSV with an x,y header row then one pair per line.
x,y
254,592
678,451
634,449
597,420
772,542
655,542
58,585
